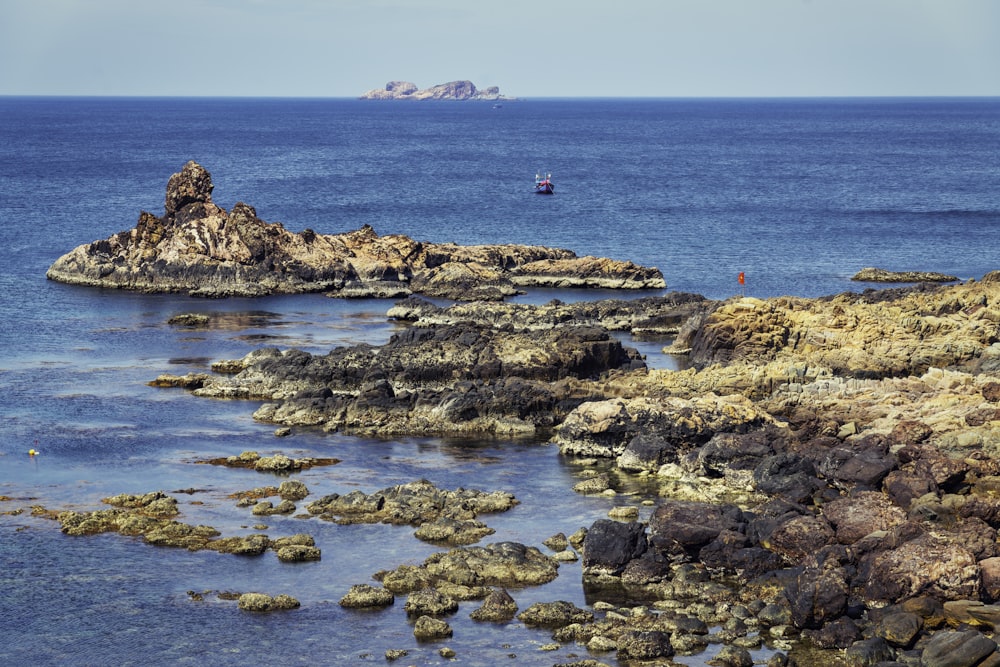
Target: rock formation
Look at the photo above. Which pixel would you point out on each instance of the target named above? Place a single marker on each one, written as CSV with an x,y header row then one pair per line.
x,y
200,248
836,458
464,378
874,275
826,471
454,90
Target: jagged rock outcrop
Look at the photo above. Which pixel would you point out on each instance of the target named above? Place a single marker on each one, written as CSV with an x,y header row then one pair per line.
x,y
200,248
453,90
449,379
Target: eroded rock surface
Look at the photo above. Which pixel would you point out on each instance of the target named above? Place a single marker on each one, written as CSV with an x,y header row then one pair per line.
x,y
199,248
461,378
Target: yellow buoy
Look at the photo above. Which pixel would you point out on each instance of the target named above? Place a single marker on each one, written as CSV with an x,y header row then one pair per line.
x,y
32,452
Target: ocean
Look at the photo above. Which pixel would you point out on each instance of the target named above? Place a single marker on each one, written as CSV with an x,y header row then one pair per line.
x,y
798,194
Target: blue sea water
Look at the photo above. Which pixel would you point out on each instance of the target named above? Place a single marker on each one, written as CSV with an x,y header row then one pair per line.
x,y
797,194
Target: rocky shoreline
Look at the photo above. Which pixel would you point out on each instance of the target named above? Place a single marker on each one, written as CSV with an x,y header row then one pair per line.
x,y
827,469
825,473
201,249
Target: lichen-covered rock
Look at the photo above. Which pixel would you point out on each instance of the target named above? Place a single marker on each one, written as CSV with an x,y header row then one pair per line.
x,y
430,602
498,607
854,517
460,378
645,645
363,596
926,565
667,427
507,564
453,531
427,628
554,614
247,545
260,602
441,515
297,553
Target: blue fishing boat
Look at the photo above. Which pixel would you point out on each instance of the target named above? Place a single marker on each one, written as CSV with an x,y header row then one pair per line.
x,y
543,186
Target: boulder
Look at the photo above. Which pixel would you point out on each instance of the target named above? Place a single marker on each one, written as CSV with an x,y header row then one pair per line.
x,y
644,645
684,527
430,602
611,545
799,537
261,602
872,651
899,628
364,596
928,565
854,517
818,594
557,614
956,648
498,607
427,628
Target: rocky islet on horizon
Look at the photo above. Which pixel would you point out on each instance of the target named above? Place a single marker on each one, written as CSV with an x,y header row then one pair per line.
x,y
827,470
451,91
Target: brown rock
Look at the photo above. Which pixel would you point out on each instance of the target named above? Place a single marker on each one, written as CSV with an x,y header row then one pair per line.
x,y
854,517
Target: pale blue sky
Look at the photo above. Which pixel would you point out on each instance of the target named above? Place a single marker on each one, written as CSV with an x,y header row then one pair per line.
x,y
536,48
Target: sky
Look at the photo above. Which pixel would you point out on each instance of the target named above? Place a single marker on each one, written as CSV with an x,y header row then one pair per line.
x,y
528,48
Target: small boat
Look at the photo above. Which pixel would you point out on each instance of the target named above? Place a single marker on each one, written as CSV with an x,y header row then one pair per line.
x,y
544,186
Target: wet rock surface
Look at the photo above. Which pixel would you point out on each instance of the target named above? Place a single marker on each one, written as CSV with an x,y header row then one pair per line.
x,y
277,463
461,378
506,564
442,516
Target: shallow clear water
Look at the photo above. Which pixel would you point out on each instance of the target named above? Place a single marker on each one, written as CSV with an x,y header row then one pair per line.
x,y
798,194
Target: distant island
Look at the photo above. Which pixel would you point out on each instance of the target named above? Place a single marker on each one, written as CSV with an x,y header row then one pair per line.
x,y
454,90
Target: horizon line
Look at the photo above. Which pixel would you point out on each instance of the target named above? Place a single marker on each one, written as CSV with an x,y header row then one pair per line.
x,y
501,99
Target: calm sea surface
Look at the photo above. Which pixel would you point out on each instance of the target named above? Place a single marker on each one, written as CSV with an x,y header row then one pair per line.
x,y
797,194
